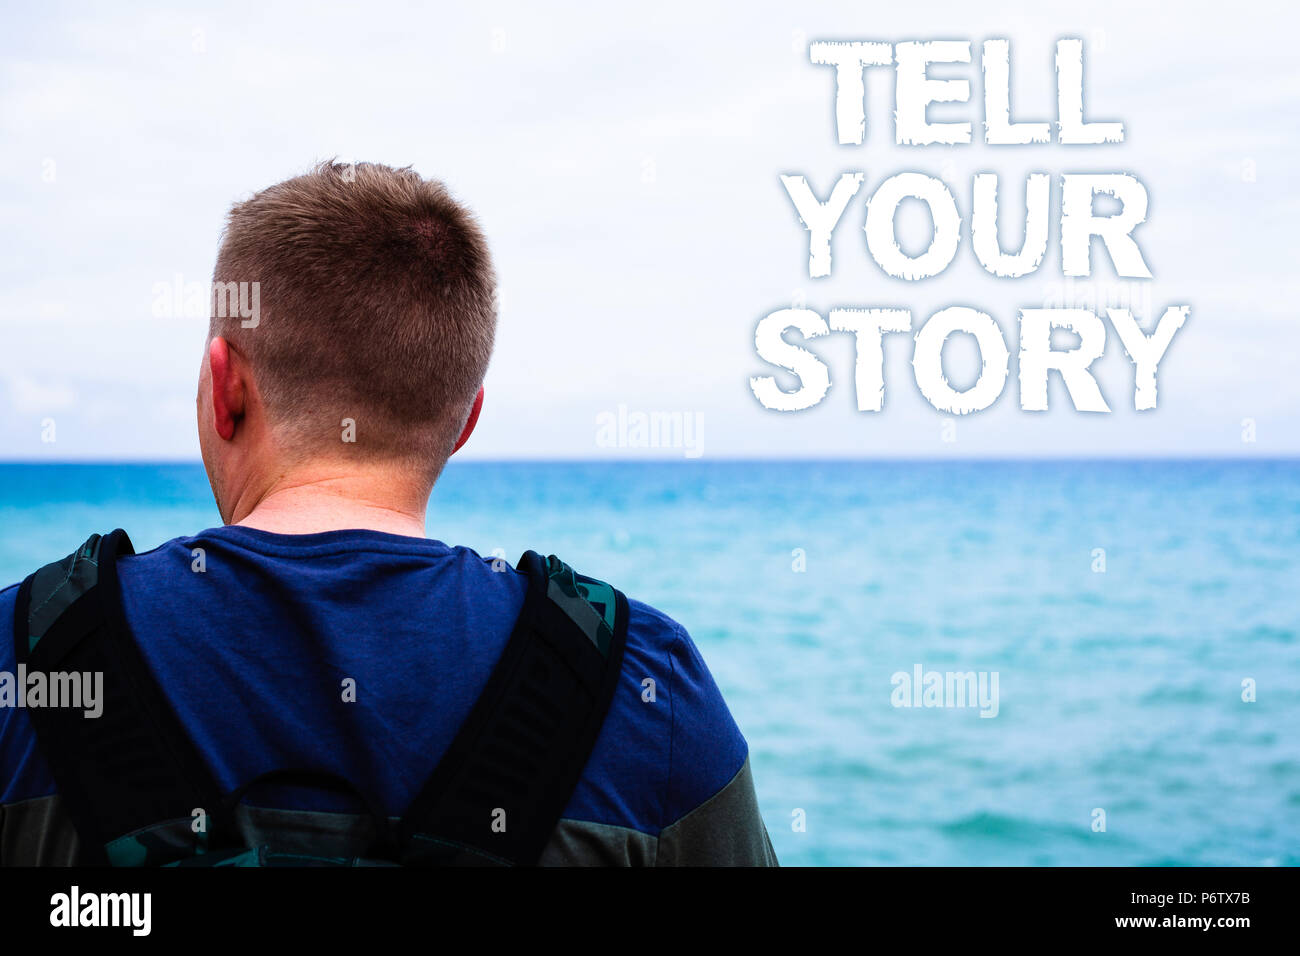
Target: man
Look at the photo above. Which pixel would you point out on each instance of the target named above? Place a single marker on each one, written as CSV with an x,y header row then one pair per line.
x,y
300,672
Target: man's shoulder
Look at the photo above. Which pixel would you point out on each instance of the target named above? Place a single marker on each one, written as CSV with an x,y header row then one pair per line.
x,y
668,725
670,771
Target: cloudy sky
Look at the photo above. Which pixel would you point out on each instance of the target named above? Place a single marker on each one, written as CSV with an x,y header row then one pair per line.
x,y
625,161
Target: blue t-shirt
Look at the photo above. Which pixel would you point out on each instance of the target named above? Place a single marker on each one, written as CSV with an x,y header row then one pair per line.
x,y
253,652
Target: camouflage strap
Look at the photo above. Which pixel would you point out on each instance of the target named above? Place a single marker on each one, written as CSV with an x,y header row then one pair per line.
x,y
498,793
590,604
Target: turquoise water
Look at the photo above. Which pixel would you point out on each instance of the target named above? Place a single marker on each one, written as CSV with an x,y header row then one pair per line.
x,y
1119,691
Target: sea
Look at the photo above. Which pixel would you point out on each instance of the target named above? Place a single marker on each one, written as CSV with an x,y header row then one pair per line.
x,y
1132,628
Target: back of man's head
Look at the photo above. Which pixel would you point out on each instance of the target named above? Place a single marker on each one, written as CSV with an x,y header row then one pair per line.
x,y
376,303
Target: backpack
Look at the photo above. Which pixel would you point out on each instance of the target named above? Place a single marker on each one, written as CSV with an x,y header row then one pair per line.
x,y
135,785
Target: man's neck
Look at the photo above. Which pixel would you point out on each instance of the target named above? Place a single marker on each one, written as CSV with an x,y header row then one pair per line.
x,y
326,501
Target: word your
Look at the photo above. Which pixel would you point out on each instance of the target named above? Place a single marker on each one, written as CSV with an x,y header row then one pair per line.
x,y
624,429
56,689
1079,223
1036,356
102,909
947,689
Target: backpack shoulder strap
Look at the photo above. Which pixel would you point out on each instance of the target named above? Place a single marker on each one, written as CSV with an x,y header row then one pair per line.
x,y
132,766
498,793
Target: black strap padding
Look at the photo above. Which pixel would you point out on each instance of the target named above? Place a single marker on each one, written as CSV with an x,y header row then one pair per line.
x,y
133,766
500,789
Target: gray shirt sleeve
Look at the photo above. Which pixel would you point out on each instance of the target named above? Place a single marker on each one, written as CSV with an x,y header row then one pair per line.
x,y
725,830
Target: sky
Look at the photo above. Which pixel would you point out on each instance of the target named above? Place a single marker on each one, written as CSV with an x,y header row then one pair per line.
x,y
625,162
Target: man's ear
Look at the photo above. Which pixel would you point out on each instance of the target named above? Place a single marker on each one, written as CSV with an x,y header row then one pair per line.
x,y
471,421
227,388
